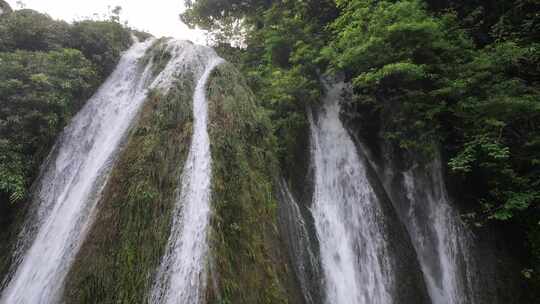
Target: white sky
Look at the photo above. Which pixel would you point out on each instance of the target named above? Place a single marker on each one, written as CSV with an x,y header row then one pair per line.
x,y
158,17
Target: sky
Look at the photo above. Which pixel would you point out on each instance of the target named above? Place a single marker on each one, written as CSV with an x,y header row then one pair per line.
x,y
158,17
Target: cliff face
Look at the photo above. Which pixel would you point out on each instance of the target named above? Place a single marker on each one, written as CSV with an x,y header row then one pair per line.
x,y
117,262
247,261
466,260
264,241
124,246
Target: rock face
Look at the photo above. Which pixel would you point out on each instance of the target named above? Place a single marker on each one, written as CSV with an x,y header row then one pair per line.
x,y
65,195
360,250
4,8
116,264
351,219
460,265
247,260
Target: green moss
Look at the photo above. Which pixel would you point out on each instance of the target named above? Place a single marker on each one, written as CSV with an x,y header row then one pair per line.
x,y
158,54
248,260
117,262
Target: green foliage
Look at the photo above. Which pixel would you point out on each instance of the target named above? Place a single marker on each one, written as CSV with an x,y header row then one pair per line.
x,y
249,264
48,68
39,94
439,87
462,76
281,57
397,56
429,83
213,14
100,41
117,263
29,30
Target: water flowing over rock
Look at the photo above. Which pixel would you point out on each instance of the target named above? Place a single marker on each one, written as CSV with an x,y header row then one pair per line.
x,y
450,268
301,249
447,249
164,189
444,245
68,190
181,277
361,242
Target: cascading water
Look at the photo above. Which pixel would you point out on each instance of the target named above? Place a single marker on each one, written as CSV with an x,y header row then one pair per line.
x,y
68,190
181,277
76,172
353,247
305,261
441,240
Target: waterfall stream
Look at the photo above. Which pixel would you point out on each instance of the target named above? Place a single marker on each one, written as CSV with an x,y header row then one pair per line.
x,y
353,247
362,251
296,232
441,240
181,277
68,189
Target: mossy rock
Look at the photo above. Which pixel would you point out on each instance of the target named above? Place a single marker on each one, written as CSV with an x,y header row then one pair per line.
x,y
248,260
122,251
159,54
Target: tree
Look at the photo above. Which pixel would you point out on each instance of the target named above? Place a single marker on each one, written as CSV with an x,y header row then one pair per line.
x,y
39,94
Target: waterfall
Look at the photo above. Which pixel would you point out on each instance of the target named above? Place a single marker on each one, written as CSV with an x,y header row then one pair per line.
x,y
348,220
181,277
305,261
442,241
67,192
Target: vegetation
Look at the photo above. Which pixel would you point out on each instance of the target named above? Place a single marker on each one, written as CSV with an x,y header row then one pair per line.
x,y
248,261
118,261
48,69
458,76
462,77
40,92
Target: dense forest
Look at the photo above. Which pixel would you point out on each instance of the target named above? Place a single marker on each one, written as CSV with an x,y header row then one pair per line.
x,y
459,76
48,69
455,78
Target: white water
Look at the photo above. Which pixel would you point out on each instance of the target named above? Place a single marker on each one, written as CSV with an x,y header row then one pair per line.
x,y
353,249
440,238
68,190
182,277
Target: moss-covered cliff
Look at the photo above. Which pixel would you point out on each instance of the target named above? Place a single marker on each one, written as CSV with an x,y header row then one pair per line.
x,y
122,251
248,262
